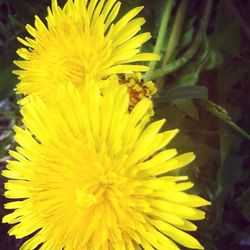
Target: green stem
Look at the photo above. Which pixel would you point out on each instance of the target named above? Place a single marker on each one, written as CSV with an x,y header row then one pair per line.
x,y
176,32
188,55
206,13
173,66
162,32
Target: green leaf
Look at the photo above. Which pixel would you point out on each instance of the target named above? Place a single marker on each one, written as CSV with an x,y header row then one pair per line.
x,y
214,59
223,115
188,34
182,92
188,107
180,62
188,75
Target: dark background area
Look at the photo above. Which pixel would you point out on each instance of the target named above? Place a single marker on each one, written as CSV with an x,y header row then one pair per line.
x,y
207,98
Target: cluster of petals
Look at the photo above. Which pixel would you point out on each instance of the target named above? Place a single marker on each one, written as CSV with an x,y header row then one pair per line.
x,y
89,172
80,39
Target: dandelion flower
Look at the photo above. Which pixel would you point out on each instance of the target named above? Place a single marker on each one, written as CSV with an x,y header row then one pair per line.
x,y
88,174
137,89
82,38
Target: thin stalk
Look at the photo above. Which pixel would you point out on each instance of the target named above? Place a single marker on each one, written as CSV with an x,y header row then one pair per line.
x,y
207,13
161,34
176,32
173,66
188,55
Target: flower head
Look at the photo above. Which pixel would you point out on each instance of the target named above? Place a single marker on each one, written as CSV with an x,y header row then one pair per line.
x,y
88,174
82,38
137,89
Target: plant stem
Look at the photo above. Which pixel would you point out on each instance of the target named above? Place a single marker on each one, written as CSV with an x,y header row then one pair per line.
x,y
206,13
176,32
162,32
171,67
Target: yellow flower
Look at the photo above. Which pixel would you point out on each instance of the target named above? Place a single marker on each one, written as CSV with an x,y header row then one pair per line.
x,y
90,175
138,90
82,38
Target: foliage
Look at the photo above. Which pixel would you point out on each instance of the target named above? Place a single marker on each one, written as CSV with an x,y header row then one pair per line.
x,y
203,81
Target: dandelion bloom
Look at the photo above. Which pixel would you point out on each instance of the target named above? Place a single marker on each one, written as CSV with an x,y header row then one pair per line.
x,y
137,89
82,38
88,174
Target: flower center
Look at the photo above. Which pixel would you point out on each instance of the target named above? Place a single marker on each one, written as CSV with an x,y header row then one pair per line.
x,y
137,89
97,191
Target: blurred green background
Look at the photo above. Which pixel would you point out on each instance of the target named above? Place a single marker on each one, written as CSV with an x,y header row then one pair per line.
x,y
204,87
